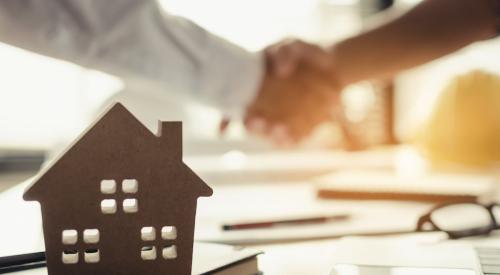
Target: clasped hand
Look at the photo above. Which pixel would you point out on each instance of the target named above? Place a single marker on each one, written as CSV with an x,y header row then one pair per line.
x,y
298,92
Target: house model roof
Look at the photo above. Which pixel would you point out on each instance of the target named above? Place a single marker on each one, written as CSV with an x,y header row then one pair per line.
x,y
121,143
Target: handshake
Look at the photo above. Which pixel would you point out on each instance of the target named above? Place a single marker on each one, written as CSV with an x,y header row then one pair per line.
x,y
299,91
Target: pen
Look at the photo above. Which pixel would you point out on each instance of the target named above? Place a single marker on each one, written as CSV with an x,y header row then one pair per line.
x,y
273,223
22,262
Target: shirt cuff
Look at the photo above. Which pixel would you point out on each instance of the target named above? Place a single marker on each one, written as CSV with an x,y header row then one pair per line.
x,y
231,76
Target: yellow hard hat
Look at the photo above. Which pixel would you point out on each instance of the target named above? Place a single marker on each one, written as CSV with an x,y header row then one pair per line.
x,y
465,125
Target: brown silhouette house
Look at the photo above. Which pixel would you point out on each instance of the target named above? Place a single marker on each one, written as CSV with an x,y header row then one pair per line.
x,y
120,201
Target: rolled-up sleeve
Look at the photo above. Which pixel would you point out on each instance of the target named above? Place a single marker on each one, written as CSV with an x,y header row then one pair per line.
x,y
138,42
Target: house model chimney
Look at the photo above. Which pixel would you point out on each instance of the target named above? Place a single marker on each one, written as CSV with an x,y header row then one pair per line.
x,y
170,133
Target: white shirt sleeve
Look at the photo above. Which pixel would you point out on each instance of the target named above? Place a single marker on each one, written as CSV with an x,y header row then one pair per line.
x,y
136,41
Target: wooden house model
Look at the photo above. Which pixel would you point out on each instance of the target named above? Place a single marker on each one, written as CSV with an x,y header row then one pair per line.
x,y
120,201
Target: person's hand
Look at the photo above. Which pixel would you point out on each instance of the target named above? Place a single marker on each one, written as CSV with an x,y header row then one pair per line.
x,y
283,58
298,92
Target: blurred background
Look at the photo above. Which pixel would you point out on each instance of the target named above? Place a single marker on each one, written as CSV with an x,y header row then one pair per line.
x,y
36,90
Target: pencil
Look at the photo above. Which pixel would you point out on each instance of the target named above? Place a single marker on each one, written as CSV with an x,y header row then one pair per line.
x,y
285,222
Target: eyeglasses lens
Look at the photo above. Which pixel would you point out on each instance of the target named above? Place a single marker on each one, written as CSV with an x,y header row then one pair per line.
x,y
461,217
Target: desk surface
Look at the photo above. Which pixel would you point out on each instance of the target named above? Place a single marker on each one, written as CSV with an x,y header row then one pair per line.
x,y
254,199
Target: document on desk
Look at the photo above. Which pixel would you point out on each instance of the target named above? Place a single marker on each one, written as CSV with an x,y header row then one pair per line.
x,y
419,250
372,220
245,203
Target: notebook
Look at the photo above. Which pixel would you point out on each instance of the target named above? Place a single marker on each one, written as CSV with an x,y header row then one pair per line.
x,y
388,185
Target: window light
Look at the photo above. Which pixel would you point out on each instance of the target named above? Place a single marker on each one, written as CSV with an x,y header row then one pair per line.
x,y
148,253
92,256
169,233
91,236
130,206
69,237
130,186
70,257
148,233
108,206
108,186
169,252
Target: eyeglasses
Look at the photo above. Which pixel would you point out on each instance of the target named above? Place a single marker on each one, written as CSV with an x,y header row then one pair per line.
x,y
460,220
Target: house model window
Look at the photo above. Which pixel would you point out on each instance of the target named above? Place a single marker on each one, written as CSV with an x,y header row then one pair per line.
x,y
170,252
92,256
108,206
148,253
70,257
169,233
108,186
128,187
91,236
130,206
149,234
70,239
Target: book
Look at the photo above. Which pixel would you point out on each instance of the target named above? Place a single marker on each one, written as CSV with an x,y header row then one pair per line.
x,y
388,185
214,259
220,259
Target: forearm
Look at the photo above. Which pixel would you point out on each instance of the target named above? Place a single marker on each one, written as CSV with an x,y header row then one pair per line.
x,y
137,42
430,30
